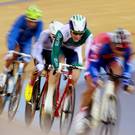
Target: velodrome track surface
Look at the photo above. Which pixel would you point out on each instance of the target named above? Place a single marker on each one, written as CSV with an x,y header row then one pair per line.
x,y
102,16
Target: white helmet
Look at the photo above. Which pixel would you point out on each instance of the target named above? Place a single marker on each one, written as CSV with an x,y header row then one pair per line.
x,y
78,23
54,26
121,35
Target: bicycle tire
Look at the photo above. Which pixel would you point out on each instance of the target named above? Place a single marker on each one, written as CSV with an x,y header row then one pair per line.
x,y
110,125
46,119
3,98
30,107
67,112
14,99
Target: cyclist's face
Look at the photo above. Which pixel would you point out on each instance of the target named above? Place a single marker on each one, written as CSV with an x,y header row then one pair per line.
x,y
52,36
117,49
76,36
31,24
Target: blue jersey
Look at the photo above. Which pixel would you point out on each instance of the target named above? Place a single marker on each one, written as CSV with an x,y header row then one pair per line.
x,y
20,33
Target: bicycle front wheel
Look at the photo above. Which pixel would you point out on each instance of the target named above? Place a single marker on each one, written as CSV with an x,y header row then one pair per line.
x,y
14,99
30,107
110,124
67,112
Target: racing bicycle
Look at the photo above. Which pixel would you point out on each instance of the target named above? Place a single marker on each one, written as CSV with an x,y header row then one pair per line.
x,y
63,102
13,84
105,107
34,104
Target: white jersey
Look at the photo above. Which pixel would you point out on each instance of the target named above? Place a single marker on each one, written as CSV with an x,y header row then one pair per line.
x,y
44,42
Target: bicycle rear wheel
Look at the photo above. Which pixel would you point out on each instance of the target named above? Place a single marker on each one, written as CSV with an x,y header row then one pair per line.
x,y
46,119
110,125
30,107
14,99
67,112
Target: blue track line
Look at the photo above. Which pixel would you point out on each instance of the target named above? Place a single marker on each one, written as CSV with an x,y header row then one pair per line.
x,y
12,2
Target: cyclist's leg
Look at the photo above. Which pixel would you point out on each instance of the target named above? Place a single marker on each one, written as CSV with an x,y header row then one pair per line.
x,y
52,84
26,48
82,118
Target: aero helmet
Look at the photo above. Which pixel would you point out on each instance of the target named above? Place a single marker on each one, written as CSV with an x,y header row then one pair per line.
x,y
54,26
33,13
78,23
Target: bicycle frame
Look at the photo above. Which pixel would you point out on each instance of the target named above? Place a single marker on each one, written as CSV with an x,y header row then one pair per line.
x,y
58,98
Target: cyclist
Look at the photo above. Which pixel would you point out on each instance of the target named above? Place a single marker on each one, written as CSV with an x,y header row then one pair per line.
x,y
42,54
67,47
109,51
20,37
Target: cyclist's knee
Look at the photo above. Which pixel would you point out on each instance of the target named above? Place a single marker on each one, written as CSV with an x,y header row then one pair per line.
x,y
75,75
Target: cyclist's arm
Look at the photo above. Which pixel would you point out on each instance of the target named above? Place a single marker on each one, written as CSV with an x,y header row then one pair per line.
x,y
38,47
127,64
13,34
56,49
36,52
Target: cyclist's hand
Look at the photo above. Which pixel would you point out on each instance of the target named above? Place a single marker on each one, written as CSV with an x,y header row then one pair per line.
x,y
39,67
129,88
8,56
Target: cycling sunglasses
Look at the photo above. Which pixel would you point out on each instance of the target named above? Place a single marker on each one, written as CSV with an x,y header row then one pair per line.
x,y
32,20
77,33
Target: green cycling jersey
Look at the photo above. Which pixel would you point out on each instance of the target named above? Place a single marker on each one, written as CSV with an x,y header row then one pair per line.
x,y
69,43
